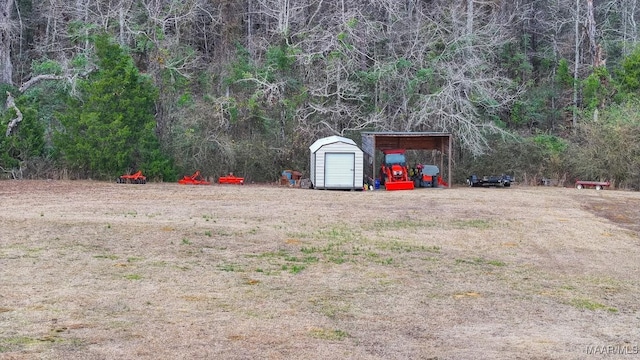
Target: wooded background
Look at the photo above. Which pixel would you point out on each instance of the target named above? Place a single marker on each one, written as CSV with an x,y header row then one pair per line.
x,y
532,88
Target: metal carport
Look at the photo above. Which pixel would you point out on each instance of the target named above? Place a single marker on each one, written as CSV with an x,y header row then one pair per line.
x,y
372,141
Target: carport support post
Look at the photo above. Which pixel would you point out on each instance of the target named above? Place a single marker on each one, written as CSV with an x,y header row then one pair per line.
x,y
373,161
442,156
449,160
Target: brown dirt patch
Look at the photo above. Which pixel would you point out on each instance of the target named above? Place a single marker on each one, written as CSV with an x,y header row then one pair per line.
x,y
92,270
621,210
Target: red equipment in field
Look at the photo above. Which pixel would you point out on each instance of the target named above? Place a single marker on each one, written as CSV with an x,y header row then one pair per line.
x,y
598,185
135,178
394,174
231,179
195,179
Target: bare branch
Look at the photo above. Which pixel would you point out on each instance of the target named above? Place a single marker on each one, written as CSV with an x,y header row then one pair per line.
x,y
15,173
11,104
37,79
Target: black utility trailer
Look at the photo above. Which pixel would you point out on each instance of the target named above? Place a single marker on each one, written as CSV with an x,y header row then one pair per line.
x,y
494,180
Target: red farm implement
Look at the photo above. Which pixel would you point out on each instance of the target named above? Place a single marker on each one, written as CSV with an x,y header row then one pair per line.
x,y
135,178
231,179
195,179
598,185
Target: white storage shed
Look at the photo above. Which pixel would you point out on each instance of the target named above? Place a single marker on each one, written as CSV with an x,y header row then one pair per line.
x,y
336,164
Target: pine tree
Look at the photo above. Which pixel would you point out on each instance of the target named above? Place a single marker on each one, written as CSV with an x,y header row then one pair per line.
x,y
109,128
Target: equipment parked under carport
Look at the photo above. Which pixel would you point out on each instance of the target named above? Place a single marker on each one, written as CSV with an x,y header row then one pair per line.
x,y
427,176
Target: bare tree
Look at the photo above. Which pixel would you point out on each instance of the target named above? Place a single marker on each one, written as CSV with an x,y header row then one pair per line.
x,y
616,23
6,37
576,76
630,33
594,48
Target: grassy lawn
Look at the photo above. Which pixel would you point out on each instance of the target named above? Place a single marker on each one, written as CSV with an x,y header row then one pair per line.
x,y
93,270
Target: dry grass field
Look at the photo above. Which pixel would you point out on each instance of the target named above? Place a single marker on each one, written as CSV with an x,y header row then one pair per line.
x,y
94,270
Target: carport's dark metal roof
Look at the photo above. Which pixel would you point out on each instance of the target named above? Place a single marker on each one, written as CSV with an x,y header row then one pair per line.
x,y
406,140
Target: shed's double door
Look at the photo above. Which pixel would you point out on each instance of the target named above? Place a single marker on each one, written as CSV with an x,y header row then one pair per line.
x,y
339,170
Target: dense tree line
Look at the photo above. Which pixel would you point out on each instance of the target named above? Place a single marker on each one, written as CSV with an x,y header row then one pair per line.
x,y
536,88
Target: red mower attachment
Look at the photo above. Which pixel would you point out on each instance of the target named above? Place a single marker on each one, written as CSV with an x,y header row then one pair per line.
x,y
195,179
598,185
231,179
136,178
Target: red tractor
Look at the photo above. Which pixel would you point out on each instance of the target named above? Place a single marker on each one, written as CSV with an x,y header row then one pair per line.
x,y
394,174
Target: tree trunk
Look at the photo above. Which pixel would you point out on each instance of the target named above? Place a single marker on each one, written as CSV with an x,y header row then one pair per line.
x,y
596,59
6,67
11,104
469,18
82,7
577,60
122,24
630,28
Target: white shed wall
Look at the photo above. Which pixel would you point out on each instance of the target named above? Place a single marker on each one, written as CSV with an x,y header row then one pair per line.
x,y
318,170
